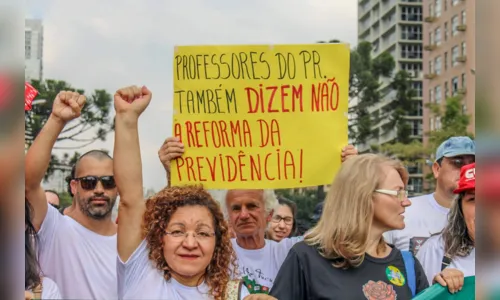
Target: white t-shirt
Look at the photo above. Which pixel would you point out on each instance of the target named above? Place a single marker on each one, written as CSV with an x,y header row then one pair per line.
x,y
423,218
138,278
431,255
262,265
81,262
50,289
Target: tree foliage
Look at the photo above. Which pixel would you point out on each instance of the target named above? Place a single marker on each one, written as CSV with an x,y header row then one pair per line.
x,y
65,199
305,201
454,121
94,123
364,86
401,106
95,120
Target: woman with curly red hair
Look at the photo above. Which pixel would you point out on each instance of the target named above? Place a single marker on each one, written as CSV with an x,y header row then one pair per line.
x,y
176,245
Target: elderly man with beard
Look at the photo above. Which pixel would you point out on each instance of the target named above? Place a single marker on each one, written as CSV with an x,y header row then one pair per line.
x,y
77,251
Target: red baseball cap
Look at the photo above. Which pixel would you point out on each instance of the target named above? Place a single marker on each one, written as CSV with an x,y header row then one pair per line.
x,y
467,179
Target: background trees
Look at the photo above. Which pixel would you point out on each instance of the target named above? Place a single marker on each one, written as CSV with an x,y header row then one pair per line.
x,y
94,124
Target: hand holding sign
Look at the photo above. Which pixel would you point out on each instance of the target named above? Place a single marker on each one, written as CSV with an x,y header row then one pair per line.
x,y
348,151
171,149
451,278
132,100
68,106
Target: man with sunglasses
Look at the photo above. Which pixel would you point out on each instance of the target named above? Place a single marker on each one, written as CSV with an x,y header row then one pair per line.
x,y
78,251
428,213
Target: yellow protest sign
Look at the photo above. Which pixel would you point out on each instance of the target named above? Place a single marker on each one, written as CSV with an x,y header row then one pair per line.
x,y
260,116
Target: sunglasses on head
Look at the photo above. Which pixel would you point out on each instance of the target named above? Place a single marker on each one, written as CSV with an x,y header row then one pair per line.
x,y
90,182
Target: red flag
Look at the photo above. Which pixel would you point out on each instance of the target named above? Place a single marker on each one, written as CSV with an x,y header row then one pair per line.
x,y
29,94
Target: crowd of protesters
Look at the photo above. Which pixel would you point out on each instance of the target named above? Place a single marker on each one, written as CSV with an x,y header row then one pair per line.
x,y
370,238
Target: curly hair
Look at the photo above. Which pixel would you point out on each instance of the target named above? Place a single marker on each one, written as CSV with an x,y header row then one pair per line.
x,y
159,210
457,240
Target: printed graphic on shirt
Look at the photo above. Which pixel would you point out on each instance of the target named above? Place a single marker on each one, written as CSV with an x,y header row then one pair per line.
x,y
395,276
255,288
379,291
416,242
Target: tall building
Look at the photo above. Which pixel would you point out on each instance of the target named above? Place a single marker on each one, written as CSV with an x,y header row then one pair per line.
x,y
449,56
33,49
395,26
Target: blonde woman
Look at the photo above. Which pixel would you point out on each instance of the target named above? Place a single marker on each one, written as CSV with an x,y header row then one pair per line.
x,y
345,256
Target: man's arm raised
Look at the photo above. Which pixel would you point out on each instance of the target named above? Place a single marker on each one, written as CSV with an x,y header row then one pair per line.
x,y
130,102
67,106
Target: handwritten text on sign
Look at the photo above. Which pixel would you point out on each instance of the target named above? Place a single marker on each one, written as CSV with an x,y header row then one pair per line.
x,y
260,116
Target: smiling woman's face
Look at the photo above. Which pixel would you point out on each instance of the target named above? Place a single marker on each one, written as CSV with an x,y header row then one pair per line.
x,y
188,257
281,224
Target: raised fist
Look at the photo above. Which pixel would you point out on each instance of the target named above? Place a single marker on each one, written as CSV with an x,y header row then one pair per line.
x,y
68,105
132,100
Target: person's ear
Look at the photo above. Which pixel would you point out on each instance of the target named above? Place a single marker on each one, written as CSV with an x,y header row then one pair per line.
x,y
73,185
270,216
435,169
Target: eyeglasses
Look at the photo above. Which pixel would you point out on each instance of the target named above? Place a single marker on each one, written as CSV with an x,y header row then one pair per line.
x,y
287,220
400,194
90,182
200,236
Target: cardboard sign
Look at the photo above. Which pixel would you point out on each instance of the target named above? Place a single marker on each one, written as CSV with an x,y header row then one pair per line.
x,y
260,116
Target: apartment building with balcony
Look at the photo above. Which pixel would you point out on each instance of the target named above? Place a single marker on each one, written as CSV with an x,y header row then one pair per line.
x,y
395,26
449,56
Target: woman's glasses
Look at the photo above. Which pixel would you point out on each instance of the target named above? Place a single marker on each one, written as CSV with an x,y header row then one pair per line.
x,y
288,220
90,182
200,236
400,194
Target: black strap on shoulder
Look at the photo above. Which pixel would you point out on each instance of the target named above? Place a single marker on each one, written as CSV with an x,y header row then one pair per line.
x,y
445,262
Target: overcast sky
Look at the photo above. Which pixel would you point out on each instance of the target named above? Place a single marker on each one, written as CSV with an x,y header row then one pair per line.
x,y
107,44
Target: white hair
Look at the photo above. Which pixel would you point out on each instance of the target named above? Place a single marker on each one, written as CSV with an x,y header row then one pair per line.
x,y
270,200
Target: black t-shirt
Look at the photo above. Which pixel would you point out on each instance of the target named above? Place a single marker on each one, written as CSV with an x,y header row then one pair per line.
x,y
305,274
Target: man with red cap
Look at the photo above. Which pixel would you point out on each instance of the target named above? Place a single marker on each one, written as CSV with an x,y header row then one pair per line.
x,y
450,256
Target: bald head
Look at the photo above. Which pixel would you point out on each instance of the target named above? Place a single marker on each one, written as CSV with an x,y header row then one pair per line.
x,y
98,155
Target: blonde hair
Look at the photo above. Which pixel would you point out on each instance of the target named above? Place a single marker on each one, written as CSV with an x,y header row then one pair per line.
x,y
343,230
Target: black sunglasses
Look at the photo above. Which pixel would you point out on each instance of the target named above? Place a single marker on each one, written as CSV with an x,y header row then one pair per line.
x,y
90,182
